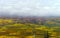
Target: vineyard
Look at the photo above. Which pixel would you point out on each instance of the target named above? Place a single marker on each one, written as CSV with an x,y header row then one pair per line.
x,y
17,28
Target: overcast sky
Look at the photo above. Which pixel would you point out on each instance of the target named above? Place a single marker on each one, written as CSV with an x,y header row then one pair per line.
x,y
30,7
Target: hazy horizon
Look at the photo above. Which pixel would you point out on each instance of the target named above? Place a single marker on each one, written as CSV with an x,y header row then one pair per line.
x,y
30,7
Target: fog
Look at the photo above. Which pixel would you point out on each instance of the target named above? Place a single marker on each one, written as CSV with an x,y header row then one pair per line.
x,y
30,7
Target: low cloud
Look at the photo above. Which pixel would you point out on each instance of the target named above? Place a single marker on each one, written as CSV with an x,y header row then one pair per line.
x,y
30,7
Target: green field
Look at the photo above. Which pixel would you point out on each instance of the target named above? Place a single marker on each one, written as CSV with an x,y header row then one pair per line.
x,y
10,28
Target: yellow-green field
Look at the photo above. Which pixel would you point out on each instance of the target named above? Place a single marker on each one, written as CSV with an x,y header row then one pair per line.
x,y
12,29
